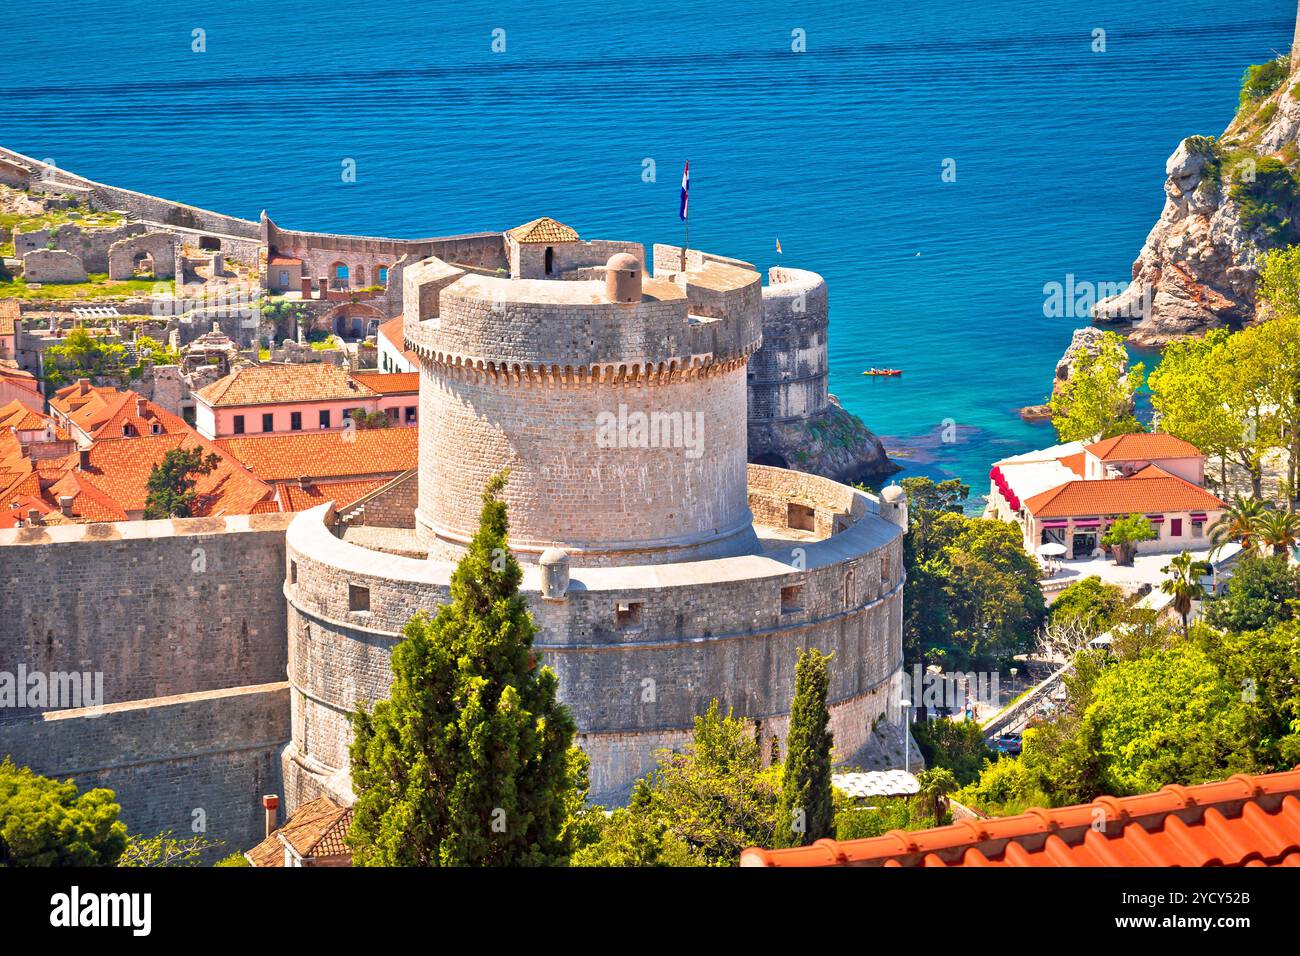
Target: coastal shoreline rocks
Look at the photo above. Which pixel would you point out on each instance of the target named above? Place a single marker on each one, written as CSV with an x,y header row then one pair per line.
x,y
833,443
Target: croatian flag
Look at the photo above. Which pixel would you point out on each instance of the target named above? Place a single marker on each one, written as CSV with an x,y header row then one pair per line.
x,y
686,189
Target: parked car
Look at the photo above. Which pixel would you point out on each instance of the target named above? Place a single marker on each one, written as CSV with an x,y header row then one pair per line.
x,y
1008,744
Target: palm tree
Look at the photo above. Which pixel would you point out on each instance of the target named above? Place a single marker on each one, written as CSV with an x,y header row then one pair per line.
x,y
1184,583
936,784
1237,523
1279,530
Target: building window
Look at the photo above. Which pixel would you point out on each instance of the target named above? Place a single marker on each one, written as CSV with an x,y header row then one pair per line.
x,y
1175,527
800,517
284,279
293,572
791,599
126,431
550,259
1198,527
239,424
358,598
341,272
155,428
628,615
325,418
268,422
381,276
885,570
410,414
849,594
295,421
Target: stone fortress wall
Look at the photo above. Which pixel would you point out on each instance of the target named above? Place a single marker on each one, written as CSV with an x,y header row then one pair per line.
x,y
639,650
651,587
184,623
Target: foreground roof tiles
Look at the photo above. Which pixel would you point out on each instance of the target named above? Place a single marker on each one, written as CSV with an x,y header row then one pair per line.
x,y
271,384
1242,821
9,315
1141,445
350,453
293,497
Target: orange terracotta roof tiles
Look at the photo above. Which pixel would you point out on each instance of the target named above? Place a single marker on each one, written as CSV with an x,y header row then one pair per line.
x,y
342,493
327,454
16,376
1143,446
271,384
317,829
390,383
118,473
107,416
9,315
282,259
15,414
542,230
392,331
1122,496
82,397
1242,821
1075,463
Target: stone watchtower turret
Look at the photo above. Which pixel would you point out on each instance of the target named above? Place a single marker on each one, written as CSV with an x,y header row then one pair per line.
x,y
617,402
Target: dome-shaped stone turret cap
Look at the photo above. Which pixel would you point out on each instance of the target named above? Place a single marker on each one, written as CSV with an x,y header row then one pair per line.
x,y
623,262
553,556
623,278
892,494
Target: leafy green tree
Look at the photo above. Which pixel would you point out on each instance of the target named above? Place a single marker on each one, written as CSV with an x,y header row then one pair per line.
x,y
166,849
469,762
1217,393
1167,718
171,483
234,859
1184,583
1262,593
972,593
1124,534
363,419
1097,400
46,822
1089,603
936,783
704,805
955,745
806,811
81,355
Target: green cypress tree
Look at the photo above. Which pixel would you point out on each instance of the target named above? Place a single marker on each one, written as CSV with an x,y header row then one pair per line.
x,y
470,762
806,811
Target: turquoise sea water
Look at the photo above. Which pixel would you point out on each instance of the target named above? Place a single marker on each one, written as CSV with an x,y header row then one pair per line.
x,y
837,151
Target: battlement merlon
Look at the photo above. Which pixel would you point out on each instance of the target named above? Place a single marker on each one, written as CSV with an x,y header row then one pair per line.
x,y
705,317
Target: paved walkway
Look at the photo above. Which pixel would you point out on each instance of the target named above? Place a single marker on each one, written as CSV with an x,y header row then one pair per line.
x,y
1146,569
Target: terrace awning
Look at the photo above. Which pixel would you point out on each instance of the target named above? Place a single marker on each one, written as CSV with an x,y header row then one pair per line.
x,y
1055,524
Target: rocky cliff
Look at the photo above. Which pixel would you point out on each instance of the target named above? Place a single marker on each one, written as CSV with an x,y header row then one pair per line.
x,y
1227,202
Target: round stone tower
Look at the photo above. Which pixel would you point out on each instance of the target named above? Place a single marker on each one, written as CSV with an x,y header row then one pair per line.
x,y
788,374
617,405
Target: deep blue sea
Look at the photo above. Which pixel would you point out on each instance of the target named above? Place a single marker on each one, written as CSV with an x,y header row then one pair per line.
x,y
837,151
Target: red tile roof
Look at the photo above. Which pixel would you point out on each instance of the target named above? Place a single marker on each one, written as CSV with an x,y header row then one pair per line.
x,y
1242,821
109,414
1144,493
390,383
16,376
351,453
270,384
115,484
81,399
1143,446
342,493
317,829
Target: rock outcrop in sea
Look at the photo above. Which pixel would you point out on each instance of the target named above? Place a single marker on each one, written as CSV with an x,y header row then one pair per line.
x,y
1227,202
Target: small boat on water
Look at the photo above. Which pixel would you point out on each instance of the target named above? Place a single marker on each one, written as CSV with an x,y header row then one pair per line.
x,y
883,371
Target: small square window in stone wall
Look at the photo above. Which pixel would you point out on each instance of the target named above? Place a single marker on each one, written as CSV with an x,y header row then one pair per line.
x,y
791,599
358,598
627,615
